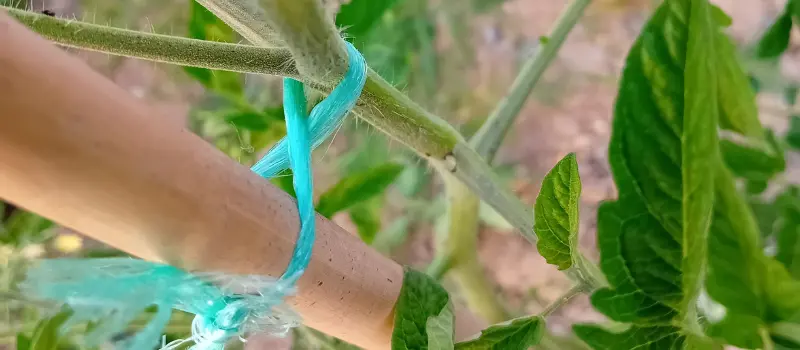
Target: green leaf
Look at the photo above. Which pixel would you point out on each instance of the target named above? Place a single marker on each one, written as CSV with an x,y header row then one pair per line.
x,y
663,154
738,111
421,299
204,25
440,329
556,213
788,231
638,338
754,160
357,17
766,214
776,40
24,228
519,334
23,342
738,330
793,135
699,150
367,218
754,289
46,334
357,188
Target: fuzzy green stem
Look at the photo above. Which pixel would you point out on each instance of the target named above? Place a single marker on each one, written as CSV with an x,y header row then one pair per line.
x,y
311,36
246,18
159,48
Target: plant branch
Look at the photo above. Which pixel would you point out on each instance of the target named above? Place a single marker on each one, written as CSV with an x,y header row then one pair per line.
x,y
562,300
159,48
458,250
312,37
491,134
246,18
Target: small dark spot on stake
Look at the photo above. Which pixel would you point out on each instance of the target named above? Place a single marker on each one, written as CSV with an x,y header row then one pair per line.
x,y
320,283
390,280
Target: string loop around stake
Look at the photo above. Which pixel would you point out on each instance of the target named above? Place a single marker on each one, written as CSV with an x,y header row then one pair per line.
x,y
112,292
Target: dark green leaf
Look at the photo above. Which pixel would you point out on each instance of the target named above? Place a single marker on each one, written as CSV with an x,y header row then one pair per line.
x,y
357,188
421,300
699,149
23,342
755,187
519,334
738,111
46,334
776,40
556,213
638,338
357,17
766,214
663,152
754,289
793,135
249,120
367,218
752,159
788,232
204,25
440,330
24,228
738,330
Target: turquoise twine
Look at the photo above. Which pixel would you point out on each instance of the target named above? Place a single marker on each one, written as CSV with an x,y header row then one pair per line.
x,y
110,293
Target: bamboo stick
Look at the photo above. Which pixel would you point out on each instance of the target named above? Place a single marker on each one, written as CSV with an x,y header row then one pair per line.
x,y
81,151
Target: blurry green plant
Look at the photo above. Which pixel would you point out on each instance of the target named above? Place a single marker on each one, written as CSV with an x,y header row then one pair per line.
x,y
697,226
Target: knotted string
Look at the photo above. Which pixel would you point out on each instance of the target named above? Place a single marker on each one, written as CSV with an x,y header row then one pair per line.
x,y
112,292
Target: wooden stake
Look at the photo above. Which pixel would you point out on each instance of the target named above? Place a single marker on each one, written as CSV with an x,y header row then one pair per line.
x,y
81,151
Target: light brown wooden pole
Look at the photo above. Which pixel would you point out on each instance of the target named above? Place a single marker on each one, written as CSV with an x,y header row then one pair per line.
x,y
81,151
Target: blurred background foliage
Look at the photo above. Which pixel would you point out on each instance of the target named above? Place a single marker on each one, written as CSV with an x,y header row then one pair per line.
x,y
366,182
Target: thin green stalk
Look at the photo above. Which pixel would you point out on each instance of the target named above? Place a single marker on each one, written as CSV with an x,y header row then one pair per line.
x,y
491,134
458,249
159,48
563,299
